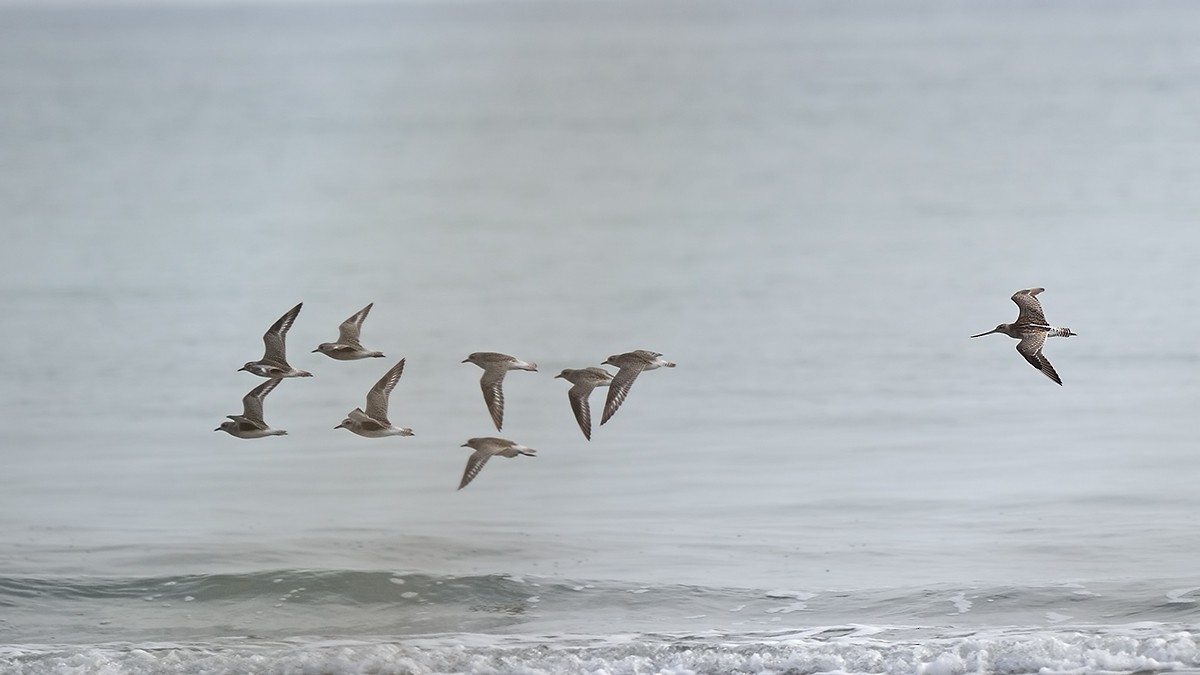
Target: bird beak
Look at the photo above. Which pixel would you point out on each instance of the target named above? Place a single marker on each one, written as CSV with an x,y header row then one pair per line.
x,y
241,369
466,361
217,429
558,375
987,333
464,445
339,427
314,351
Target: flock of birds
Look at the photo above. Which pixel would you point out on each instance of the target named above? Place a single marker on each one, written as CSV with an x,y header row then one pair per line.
x,y
1031,328
373,422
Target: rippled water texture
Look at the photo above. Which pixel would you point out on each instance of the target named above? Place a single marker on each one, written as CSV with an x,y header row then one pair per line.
x,y
807,206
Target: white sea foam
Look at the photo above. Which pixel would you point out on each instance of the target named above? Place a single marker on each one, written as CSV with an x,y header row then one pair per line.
x,y
1178,595
1143,649
961,603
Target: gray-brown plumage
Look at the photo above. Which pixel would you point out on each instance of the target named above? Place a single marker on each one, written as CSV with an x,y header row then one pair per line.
x,y
348,347
250,423
584,380
374,423
274,363
1032,329
495,365
630,365
486,448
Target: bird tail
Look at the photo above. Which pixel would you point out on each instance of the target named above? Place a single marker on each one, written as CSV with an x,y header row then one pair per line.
x,y
1061,332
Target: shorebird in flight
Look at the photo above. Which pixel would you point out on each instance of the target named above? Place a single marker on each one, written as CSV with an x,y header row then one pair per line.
x,y
347,347
374,422
584,381
250,423
629,365
495,365
486,448
1032,329
274,361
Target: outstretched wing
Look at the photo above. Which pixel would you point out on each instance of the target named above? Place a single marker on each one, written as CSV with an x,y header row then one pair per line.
x,y
1030,347
618,389
377,398
578,396
351,328
252,403
493,394
1030,309
274,337
474,465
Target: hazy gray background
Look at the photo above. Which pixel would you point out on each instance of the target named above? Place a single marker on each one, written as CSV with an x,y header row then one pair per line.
x,y
808,206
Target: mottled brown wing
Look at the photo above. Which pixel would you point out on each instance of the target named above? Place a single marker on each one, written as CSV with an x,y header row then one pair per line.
x,y
1030,309
493,394
351,329
578,396
1030,347
252,403
618,389
377,398
273,339
474,465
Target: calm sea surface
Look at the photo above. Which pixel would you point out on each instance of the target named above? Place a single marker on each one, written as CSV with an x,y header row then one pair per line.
x,y
808,206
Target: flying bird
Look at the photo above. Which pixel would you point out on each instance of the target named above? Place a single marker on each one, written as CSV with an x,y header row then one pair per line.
x,y
347,347
486,448
250,423
1032,329
584,381
629,365
274,363
495,365
373,423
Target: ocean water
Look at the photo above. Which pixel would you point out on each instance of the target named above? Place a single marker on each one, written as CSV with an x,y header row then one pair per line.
x,y
808,206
